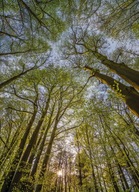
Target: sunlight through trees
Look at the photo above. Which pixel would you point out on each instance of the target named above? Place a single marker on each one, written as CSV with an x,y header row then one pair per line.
x,y
69,95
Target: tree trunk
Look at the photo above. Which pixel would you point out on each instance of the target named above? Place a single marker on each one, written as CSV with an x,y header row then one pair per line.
x,y
128,94
79,162
129,75
129,164
46,158
19,172
111,171
9,177
91,162
120,171
108,160
34,168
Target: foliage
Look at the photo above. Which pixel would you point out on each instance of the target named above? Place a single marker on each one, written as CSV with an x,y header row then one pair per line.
x,y
69,97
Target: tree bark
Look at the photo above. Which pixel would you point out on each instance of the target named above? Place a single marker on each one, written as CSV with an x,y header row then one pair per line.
x,y
129,75
128,94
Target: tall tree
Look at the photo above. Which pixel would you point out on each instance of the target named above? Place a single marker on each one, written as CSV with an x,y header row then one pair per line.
x,y
87,50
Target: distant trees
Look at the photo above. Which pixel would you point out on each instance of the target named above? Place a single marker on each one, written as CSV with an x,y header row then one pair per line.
x,y
50,97
102,159
108,160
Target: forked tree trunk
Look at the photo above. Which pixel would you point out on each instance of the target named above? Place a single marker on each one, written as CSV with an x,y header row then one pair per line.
x,y
59,115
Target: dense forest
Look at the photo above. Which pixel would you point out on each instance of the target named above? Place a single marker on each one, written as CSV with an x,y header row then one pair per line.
x,y
69,95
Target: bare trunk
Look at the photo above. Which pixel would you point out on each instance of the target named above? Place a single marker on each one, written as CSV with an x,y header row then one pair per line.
x,y
79,162
120,172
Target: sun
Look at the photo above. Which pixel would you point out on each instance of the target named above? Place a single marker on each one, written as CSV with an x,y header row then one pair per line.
x,y
59,173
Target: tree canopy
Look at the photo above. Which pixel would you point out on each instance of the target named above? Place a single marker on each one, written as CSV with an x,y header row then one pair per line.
x,y
69,95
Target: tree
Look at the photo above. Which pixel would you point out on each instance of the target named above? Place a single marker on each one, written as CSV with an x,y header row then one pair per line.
x,y
63,127
118,18
87,46
107,160
57,97
24,24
